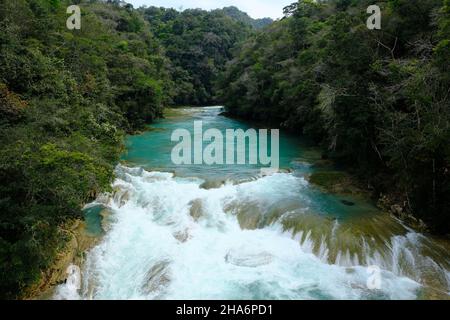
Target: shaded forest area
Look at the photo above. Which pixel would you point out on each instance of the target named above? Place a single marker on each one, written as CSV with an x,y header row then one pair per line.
x,y
378,101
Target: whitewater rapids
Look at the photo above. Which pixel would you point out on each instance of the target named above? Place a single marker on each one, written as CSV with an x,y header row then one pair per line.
x,y
168,238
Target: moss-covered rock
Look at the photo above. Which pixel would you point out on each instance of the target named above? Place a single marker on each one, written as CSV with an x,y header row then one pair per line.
x,y
337,182
79,241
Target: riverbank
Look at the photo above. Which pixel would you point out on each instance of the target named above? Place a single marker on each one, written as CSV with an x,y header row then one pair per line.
x,y
345,182
72,253
77,240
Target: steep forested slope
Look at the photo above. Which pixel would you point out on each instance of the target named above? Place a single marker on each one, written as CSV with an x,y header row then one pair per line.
x,y
66,97
198,44
377,100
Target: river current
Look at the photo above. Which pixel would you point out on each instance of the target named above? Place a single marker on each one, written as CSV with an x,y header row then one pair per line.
x,y
230,232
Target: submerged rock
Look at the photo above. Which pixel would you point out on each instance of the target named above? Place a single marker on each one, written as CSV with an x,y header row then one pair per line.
x,y
212,184
157,277
250,260
182,236
348,203
336,182
196,210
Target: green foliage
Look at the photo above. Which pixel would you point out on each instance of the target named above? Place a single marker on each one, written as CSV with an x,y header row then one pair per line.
x,y
12,108
66,98
198,44
378,101
243,17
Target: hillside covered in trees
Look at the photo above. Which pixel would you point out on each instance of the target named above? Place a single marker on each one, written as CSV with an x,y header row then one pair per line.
x,y
238,15
198,43
377,100
67,97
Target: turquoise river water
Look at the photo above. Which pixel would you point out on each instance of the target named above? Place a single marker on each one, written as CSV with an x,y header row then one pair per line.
x,y
230,232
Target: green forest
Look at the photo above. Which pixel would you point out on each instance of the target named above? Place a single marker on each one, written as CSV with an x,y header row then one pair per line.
x,y
67,97
377,101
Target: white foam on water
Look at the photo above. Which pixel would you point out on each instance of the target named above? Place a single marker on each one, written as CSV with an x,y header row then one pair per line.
x,y
70,290
156,248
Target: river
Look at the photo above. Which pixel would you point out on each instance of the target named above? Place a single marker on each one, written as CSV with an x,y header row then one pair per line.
x,y
229,232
